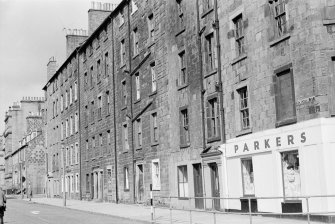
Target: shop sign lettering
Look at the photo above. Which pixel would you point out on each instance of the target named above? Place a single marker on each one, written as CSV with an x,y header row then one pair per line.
x,y
270,143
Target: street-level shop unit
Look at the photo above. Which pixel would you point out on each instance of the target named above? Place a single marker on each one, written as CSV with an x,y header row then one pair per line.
x,y
290,161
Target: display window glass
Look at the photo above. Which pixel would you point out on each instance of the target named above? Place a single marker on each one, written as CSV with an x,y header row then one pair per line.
x,y
291,174
248,177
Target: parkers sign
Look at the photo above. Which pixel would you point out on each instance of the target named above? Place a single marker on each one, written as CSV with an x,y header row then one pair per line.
x,y
265,144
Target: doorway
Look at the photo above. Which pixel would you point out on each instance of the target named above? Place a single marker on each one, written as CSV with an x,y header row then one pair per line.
x,y
198,189
140,183
215,185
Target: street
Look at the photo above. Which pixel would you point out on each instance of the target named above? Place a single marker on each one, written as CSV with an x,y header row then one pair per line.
x,y
23,212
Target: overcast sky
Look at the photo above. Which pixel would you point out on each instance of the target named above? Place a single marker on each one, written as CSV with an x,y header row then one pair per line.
x,y
31,31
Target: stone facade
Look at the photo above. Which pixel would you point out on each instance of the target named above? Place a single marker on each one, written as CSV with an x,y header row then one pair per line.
x,y
15,130
163,84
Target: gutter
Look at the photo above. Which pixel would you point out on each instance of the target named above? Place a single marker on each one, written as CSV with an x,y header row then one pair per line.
x,y
114,121
202,93
218,46
131,105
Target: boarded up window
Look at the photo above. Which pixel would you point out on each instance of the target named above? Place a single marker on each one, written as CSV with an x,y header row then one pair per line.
x,y
285,102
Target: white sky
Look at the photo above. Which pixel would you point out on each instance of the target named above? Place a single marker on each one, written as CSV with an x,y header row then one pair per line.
x,y
31,31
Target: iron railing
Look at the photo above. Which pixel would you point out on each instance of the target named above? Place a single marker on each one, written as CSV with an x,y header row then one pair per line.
x,y
169,205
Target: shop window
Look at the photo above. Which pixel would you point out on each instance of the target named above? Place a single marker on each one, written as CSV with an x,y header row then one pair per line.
x,y
285,97
182,182
291,173
248,177
156,182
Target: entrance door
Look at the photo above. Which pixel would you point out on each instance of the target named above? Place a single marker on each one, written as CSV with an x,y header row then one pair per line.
x,y
215,185
92,185
140,186
198,191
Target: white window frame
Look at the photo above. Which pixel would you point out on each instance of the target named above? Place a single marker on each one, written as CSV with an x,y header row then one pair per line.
x,y
156,177
71,95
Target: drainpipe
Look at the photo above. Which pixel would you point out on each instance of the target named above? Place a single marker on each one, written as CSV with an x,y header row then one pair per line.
x,y
79,126
218,46
114,121
202,96
131,104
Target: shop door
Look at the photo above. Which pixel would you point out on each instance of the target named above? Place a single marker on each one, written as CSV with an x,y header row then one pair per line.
x,y
198,191
140,186
215,185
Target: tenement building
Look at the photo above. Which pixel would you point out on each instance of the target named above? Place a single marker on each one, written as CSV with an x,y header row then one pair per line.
x,y
16,128
205,98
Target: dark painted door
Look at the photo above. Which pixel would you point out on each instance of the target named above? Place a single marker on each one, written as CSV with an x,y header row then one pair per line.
x,y
92,185
140,186
215,185
198,190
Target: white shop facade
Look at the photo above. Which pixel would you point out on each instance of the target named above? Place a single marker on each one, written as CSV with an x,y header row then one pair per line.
x,y
290,161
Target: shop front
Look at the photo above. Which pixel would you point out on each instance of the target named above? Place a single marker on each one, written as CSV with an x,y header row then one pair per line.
x,y
290,162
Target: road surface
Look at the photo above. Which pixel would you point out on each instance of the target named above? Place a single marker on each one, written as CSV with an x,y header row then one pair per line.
x,y
23,212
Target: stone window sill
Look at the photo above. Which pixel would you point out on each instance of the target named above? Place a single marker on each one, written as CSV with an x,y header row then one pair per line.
x,y
181,31
185,145
239,58
153,93
210,73
288,121
244,132
213,139
137,101
124,108
182,86
326,22
205,13
135,56
154,143
280,39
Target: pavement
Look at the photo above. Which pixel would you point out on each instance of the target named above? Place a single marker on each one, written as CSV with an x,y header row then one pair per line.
x,y
140,213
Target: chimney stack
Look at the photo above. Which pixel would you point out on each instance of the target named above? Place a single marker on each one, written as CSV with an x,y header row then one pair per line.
x,y
74,37
51,68
97,14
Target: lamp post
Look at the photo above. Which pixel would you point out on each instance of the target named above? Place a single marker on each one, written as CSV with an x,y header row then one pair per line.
x,y
64,193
